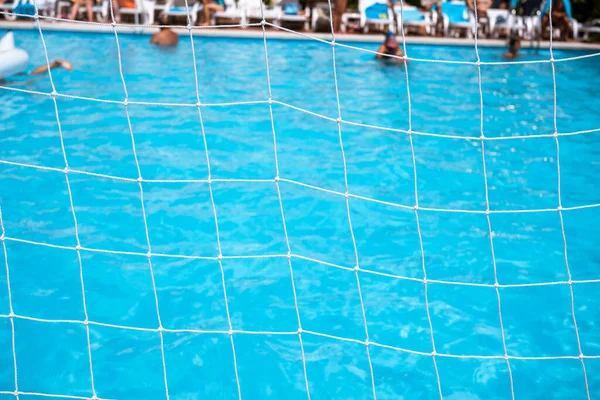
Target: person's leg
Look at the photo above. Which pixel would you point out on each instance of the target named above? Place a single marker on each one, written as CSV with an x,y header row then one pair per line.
x,y
340,9
210,8
90,10
545,25
115,11
564,29
75,9
337,22
206,12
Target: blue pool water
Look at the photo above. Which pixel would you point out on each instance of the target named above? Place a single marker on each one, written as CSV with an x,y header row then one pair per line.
x,y
52,357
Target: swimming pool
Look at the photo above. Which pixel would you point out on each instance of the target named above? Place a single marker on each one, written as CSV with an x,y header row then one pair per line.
x,y
52,357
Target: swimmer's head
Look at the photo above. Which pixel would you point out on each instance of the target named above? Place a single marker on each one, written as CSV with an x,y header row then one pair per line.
x,y
390,40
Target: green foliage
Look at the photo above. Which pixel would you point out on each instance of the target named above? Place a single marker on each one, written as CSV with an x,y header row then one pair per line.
x,y
585,10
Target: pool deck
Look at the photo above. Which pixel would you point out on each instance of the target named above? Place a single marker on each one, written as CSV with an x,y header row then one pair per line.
x,y
272,32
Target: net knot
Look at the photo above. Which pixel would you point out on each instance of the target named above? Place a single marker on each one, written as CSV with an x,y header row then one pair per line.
x,y
356,268
299,331
78,247
367,343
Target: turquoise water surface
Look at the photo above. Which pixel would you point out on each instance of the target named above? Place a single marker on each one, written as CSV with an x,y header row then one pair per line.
x,y
126,351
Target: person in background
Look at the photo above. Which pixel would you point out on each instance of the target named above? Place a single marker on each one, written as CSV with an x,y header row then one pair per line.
x,y
117,5
165,36
435,6
513,47
560,19
340,9
211,6
54,64
390,47
482,15
88,5
42,69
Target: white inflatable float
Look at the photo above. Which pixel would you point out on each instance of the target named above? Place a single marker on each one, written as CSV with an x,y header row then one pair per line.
x,y
12,60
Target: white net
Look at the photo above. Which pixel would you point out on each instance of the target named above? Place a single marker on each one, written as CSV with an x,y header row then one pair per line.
x,y
358,270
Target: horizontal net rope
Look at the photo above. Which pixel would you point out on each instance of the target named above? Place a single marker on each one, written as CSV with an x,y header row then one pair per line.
x,y
18,393
294,182
295,333
314,114
299,256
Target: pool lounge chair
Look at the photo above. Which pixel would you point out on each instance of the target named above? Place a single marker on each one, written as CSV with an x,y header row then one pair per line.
x,y
9,7
101,11
289,13
458,16
177,8
44,7
591,27
235,10
142,12
500,19
410,16
374,12
254,13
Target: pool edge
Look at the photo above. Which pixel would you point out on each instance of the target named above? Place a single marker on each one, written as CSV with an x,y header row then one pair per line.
x,y
250,33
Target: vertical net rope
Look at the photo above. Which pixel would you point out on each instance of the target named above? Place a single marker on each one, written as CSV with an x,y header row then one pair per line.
x,y
559,208
487,206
